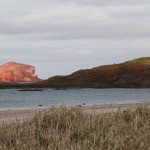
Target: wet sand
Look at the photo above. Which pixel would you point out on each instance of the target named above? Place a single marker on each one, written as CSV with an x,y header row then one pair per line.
x,y
21,114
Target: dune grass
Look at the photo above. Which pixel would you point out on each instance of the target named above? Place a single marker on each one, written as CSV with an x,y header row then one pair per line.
x,y
71,129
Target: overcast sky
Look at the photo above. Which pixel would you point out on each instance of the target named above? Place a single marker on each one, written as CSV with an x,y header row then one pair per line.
x,y
62,36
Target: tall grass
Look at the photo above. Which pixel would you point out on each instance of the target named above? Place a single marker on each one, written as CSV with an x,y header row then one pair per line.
x,y
71,129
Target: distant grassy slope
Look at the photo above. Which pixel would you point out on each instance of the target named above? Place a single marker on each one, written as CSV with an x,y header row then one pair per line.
x,y
71,129
142,59
133,73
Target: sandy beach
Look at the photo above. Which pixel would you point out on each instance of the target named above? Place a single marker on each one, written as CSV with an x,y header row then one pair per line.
x,y
21,114
12,115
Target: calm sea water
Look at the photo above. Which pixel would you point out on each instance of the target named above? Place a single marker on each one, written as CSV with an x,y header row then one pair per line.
x,y
12,99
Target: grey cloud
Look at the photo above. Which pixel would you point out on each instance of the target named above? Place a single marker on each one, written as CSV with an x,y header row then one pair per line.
x,y
68,35
95,2
113,2
78,22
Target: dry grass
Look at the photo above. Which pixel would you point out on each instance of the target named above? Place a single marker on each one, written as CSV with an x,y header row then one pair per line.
x,y
71,129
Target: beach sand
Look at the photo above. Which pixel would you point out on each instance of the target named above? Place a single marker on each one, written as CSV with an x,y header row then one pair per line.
x,y
13,115
21,114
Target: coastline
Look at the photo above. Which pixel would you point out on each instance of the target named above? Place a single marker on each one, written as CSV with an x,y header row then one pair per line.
x,y
22,114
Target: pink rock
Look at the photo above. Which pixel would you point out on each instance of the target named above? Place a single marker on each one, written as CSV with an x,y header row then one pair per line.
x,y
15,72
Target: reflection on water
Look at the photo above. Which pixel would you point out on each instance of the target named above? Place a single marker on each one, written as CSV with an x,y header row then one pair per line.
x,y
12,98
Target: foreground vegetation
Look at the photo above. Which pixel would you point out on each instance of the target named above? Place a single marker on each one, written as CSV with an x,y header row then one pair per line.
x,y
71,129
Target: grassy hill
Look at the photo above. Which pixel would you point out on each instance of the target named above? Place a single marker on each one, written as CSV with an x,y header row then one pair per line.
x,y
133,73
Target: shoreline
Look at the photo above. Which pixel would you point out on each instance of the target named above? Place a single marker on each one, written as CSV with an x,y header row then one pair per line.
x,y
10,115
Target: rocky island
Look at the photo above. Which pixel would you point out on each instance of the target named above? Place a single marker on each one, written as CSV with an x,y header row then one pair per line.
x,y
12,72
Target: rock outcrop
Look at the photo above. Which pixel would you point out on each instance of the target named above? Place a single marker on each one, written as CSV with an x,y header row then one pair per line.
x,y
134,73
15,72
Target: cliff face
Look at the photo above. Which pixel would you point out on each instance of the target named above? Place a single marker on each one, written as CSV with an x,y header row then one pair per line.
x,y
134,73
14,72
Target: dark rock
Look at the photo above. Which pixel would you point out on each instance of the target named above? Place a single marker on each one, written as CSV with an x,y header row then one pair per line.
x,y
60,88
26,90
84,104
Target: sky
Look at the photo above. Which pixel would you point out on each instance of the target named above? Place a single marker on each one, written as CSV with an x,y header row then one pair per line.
x,y
59,37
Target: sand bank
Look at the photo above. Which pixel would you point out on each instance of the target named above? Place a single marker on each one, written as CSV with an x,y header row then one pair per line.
x,y
21,114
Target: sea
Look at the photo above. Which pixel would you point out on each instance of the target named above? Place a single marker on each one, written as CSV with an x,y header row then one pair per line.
x,y
16,99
